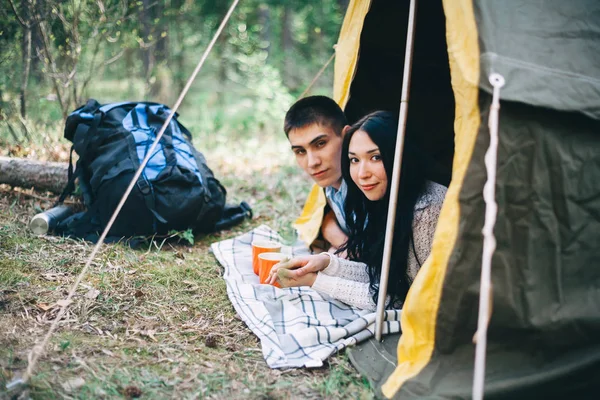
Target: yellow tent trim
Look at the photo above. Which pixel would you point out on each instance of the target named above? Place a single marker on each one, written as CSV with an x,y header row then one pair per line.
x,y
419,315
346,51
308,223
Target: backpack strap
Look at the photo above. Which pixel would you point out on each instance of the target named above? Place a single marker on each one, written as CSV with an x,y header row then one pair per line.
x,y
88,132
143,185
146,190
70,186
167,138
233,215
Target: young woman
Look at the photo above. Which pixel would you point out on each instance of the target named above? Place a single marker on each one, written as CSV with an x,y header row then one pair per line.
x,y
367,162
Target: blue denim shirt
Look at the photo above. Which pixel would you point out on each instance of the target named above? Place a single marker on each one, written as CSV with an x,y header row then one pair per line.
x,y
335,199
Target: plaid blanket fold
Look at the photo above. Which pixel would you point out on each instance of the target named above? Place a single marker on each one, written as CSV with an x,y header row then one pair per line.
x,y
297,327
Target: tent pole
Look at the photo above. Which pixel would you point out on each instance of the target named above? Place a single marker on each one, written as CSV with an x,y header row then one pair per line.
x,y
389,230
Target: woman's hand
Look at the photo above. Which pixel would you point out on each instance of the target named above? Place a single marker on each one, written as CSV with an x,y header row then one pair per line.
x,y
298,267
287,278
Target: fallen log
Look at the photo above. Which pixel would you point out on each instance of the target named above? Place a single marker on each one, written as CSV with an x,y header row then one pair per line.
x,y
41,175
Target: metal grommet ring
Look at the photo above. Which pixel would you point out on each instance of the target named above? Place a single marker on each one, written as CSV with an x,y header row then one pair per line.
x,y
497,80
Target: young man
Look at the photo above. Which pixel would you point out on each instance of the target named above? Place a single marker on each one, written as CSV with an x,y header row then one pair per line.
x,y
315,127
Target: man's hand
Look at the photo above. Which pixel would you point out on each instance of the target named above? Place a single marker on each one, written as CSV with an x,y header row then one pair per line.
x,y
298,267
332,232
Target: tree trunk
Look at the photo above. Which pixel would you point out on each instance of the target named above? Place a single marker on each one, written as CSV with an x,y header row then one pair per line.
x,y
264,19
129,66
50,64
37,45
147,49
343,4
286,44
180,60
222,71
46,176
162,34
317,40
177,51
26,56
39,9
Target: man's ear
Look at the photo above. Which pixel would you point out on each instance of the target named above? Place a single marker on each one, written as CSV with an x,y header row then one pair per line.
x,y
345,130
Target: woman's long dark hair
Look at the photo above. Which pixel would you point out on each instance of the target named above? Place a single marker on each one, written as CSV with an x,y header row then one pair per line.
x,y
366,220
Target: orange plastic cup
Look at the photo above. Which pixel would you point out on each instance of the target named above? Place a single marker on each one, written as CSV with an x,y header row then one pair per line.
x,y
266,261
262,246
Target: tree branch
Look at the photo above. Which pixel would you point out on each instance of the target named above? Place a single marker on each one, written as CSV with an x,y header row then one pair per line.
x,y
26,69
96,47
19,19
51,63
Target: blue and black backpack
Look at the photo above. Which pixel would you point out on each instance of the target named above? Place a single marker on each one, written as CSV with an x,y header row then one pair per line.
x,y
176,191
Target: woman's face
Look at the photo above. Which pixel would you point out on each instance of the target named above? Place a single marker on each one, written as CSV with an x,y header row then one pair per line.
x,y
366,166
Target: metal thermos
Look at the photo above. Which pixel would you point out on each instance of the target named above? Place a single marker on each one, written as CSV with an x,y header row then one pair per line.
x,y
44,222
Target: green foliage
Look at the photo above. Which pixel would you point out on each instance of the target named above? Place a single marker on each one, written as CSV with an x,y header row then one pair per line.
x,y
142,50
187,235
64,345
10,38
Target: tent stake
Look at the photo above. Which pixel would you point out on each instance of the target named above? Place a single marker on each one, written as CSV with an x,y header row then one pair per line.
x,y
389,230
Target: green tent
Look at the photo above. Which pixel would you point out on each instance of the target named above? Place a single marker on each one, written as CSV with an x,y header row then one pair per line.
x,y
544,332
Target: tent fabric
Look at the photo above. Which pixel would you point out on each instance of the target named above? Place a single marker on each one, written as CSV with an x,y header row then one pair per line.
x,y
546,320
376,360
423,299
308,223
542,338
547,51
346,50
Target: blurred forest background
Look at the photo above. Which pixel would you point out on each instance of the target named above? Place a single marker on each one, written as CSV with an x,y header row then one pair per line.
x,y
55,54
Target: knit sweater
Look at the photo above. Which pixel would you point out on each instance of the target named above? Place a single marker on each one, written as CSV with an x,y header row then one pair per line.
x,y
348,281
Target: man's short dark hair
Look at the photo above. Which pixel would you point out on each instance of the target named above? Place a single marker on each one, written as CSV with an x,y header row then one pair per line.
x,y
320,110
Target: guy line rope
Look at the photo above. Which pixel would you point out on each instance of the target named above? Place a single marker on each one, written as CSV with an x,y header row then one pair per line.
x,y
489,240
38,349
318,75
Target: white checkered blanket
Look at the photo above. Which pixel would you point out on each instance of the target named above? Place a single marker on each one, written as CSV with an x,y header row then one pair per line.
x,y
297,327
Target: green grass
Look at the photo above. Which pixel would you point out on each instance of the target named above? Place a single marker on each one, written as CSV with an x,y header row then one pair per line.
x,y
150,321
11,272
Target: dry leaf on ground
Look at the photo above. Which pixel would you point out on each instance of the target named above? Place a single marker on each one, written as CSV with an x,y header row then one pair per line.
x,y
73,384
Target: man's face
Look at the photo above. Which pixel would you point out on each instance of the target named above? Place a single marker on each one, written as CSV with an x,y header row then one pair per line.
x,y
318,151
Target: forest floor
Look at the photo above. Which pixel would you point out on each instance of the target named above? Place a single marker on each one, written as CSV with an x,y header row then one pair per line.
x,y
152,323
